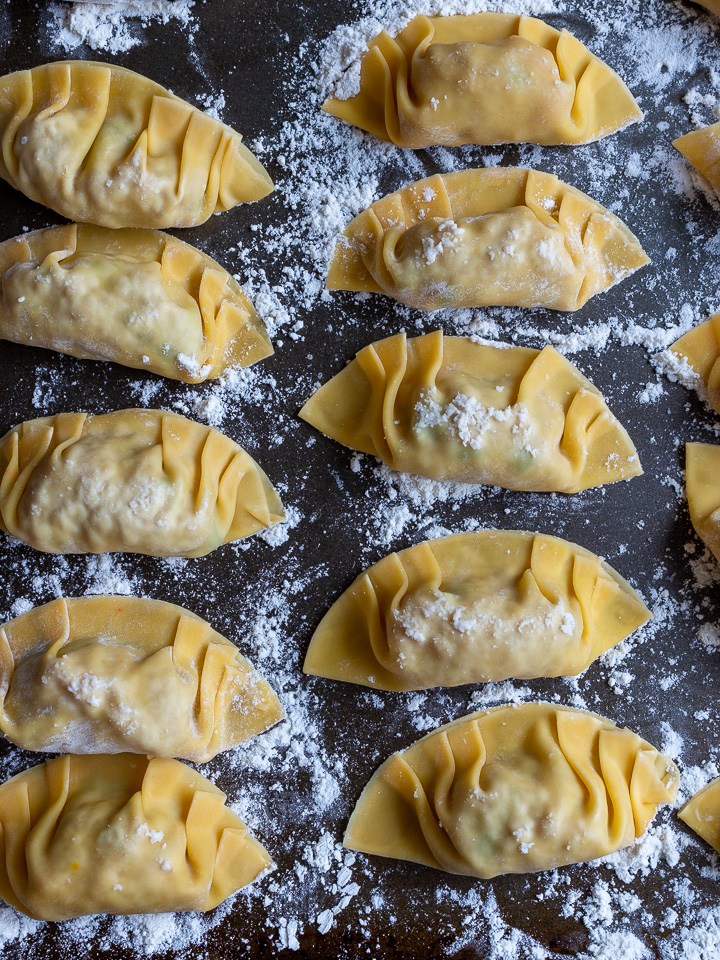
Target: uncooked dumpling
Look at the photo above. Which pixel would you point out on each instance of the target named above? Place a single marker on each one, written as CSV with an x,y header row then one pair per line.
x,y
702,480
472,608
702,813
485,78
702,148
452,409
137,297
127,675
492,237
140,481
102,144
120,834
516,789
700,347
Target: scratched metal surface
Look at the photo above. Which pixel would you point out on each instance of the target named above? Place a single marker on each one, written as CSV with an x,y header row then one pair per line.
x,y
250,57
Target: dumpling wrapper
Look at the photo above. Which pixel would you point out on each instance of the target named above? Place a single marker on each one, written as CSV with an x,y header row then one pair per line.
x,y
475,608
99,143
127,675
485,78
492,237
712,5
702,814
452,409
138,297
702,149
515,789
120,834
700,347
702,480
140,481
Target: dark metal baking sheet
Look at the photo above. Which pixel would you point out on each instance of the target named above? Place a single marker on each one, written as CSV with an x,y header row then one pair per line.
x,y
268,599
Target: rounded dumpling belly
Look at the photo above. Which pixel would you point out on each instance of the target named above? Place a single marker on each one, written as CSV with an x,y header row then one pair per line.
x,y
509,258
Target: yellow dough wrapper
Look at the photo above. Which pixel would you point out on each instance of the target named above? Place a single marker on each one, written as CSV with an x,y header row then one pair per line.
x,y
515,789
120,834
114,674
498,236
485,78
700,347
702,814
702,480
452,409
138,297
99,143
139,481
475,608
702,148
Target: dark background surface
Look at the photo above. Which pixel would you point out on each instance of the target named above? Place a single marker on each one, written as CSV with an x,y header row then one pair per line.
x,y
268,599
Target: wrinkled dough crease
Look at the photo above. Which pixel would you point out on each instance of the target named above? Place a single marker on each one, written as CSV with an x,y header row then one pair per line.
x,y
702,479
452,409
474,608
126,675
120,834
139,481
138,297
105,145
485,78
702,814
515,789
490,237
700,348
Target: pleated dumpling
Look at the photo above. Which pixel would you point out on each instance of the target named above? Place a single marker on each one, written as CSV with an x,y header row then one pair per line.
x,y
102,144
452,409
120,834
485,78
702,480
702,149
492,237
472,608
700,348
138,297
140,481
702,814
127,675
515,789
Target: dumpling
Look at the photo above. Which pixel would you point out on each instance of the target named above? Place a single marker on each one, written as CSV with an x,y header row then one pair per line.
x,y
702,148
141,481
137,297
702,480
452,409
472,608
122,674
120,834
712,5
492,237
702,814
102,144
515,789
700,347
485,78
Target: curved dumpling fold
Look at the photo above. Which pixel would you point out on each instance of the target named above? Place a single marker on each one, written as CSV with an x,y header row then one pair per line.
x,y
515,789
138,297
491,237
141,481
485,78
102,144
452,409
127,675
120,834
472,608
702,149
702,813
700,347
702,480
